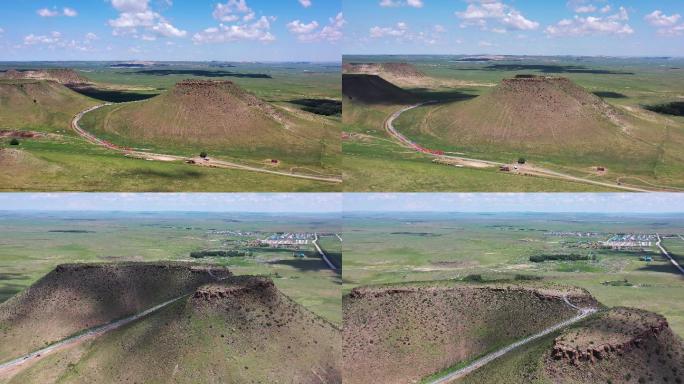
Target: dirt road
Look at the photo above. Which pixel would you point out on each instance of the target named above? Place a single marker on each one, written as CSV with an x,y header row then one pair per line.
x,y
668,256
166,157
583,313
12,366
479,163
323,255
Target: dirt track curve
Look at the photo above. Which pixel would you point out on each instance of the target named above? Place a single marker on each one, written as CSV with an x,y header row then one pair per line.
x,y
406,142
165,157
448,378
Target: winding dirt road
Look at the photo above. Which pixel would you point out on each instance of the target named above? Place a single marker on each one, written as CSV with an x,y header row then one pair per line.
x,y
667,254
323,255
583,313
91,333
166,157
13,366
538,171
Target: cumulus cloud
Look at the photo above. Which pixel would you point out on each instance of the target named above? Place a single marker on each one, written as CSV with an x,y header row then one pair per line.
x,y
305,3
480,12
136,16
233,10
45,12
667,25
398,30
70,12
257,31
309,32
56,39
591,25
401,3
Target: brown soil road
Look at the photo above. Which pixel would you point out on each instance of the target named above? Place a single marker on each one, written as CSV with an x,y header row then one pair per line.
x,y
534,170
166,157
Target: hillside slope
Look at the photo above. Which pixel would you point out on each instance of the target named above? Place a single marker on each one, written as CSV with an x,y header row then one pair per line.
x,y
622,345
373,89
400,334
75,297
39,104
60,75
217,116
240,330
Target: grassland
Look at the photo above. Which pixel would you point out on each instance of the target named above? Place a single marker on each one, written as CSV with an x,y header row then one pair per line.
x,y
372,163
63,161
34,243
398,248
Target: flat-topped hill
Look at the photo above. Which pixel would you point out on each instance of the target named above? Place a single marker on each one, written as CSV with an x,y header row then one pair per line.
x,y
75,297
400,334
39,104
64,76
373,89
399,70
239,330
620,345
527,112
212,115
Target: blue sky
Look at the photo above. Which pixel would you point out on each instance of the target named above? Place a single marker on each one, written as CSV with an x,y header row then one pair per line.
x,y
515,202
230,30
532,27
189,202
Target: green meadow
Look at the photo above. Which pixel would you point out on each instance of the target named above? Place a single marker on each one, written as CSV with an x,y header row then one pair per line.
x,y
34,243
393,248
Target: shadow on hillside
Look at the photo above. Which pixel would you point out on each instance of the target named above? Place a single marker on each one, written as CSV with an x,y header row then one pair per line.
x,y
675,108
304,264
323,107
663,268
199,72
610,95
547,69
112,96
442,95
7,287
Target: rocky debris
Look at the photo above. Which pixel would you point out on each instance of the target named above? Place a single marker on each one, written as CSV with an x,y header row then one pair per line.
x,y
628,330
20,134
234,287
213,91
61,75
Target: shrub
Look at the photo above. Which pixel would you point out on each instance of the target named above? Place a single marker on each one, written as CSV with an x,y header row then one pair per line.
x,y
522,160
203,155
14,142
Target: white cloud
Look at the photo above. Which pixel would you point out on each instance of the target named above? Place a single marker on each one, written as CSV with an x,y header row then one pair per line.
x,y
479,12
70,12
55,40
44,12
298,27
305,3
667,25
130,6
91,36
585,9
659,19
606,9
309,32
401,3
257,31
591,25
398,30
232,11
136,14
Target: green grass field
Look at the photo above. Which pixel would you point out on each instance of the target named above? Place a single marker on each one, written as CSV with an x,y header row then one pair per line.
x,y
34,243
373,163
61,161
390,249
